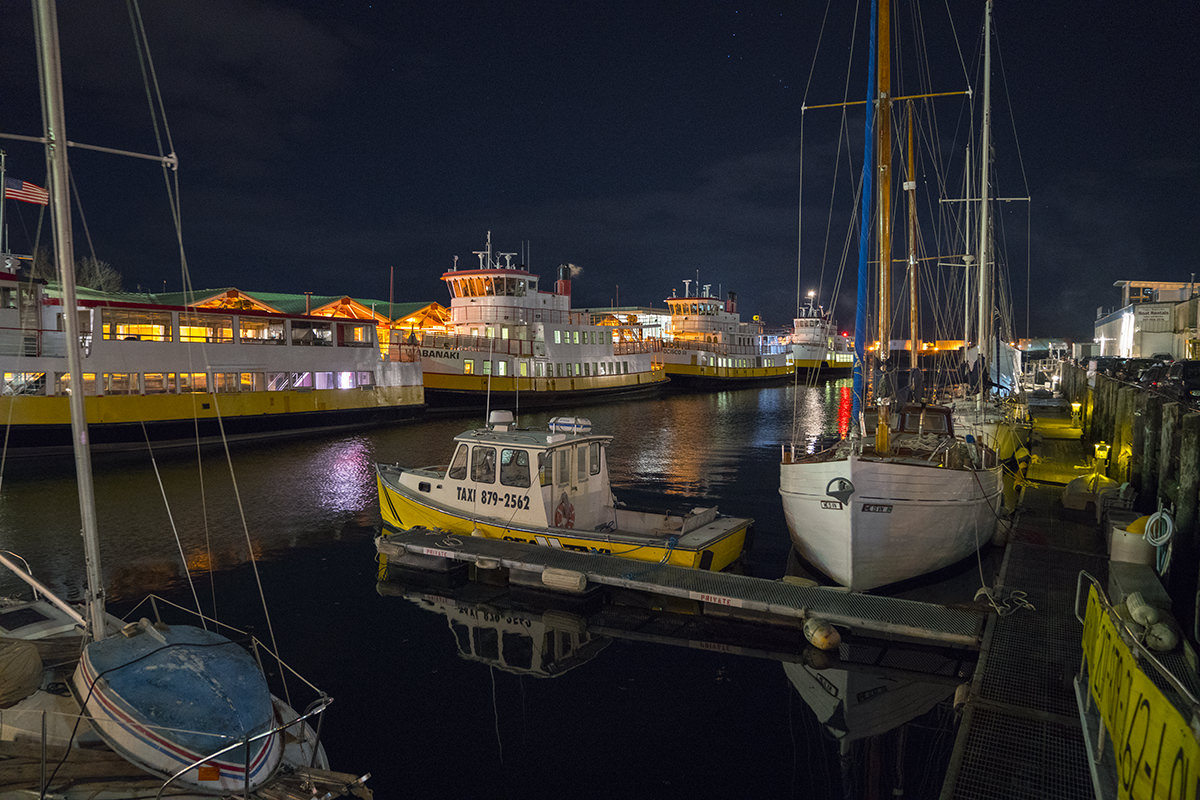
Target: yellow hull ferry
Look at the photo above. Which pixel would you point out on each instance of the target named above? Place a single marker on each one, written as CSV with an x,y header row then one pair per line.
x,y
509,342
170,373
549,488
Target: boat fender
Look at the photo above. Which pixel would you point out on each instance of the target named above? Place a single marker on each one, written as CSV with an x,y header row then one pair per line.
x,y
821,634
564,580
1142,612
1161,637
487,563
962,693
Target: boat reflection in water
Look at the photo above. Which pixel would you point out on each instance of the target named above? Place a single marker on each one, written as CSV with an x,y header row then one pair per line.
x,y
864,697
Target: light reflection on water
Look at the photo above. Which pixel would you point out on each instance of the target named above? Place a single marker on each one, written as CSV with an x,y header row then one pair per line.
x,y
311,508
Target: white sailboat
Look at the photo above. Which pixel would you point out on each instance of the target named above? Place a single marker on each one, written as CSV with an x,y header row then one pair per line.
x,y
186,706
903,495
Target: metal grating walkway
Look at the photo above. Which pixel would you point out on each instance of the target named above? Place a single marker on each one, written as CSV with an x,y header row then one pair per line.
x,y
1020,734
882,616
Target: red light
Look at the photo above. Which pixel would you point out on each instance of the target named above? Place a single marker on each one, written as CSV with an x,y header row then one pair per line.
x,y
845,334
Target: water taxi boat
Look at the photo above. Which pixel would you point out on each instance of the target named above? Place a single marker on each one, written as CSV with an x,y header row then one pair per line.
x,y
172,373
706,344
550,487
510,342
816,348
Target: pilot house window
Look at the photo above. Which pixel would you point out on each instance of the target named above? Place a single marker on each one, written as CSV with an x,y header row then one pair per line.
x,y
458,467
514,468
483,464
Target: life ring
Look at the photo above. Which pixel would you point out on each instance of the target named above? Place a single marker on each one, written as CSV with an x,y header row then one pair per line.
x,y
564,513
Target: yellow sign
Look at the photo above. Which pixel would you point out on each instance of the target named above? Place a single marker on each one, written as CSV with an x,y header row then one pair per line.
x,y
1157,754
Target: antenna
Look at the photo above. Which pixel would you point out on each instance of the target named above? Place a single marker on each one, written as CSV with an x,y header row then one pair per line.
x,y
687,287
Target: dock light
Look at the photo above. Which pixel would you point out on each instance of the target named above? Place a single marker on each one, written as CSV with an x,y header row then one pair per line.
x,y
1076,420
1102,449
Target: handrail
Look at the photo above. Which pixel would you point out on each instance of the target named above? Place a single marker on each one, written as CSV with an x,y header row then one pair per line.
x,y
324,702
39,588
1131,638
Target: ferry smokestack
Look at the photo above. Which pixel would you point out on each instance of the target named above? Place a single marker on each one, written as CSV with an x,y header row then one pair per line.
x,y
563,284
731,302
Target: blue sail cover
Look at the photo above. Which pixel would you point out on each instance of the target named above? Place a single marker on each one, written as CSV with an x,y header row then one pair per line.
x,y
864,229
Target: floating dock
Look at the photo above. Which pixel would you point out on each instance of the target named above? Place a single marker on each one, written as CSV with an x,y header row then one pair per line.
x,y
769,600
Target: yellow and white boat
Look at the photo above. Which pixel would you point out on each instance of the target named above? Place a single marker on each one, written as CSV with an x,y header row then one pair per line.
x,y
550,487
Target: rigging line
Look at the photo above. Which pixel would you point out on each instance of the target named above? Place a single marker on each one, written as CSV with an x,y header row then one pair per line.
x,y
174,528
149,77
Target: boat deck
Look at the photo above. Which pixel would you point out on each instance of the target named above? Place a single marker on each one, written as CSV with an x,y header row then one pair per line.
x,y
772,600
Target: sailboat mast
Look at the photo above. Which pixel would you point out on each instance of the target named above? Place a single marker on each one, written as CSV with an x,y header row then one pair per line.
x,y
54,118
884,187
864,233
910,188
985,284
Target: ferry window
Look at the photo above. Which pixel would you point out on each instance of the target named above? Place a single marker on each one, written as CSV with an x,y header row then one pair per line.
x,y
577,369
8,298
278,381
26,382
576,337
120,383
491,331
545,469
62,383
216,328
159,382
594,450
307,333
514,468
558,370
129,324
564,466
469,366
324,380
487,367
302,380
520,292
458,467
193,382
483,464
365,379
581,469
504,333
558,337
587,369
256,330
225,382
253,381
524,369
501,367
355,335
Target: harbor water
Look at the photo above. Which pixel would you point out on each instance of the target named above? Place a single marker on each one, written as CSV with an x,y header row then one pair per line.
x,y
628,714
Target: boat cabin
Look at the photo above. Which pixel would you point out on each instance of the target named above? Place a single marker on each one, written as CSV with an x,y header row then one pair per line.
x,y
556,478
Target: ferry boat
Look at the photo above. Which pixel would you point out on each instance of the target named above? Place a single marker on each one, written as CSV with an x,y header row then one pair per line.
x,y
510,342
816,346
706,344
171,373
550,487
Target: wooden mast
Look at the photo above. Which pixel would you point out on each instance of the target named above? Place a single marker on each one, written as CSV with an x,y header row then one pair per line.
x,y
884,209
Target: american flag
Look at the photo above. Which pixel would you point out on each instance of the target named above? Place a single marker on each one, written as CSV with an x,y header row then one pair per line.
x,y
21,190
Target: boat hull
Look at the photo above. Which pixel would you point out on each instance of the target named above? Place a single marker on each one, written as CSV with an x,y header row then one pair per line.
x,y
688,376
443,390
166,704
400,510
903,520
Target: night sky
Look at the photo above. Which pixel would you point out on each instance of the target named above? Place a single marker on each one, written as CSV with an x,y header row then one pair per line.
x,y
324,143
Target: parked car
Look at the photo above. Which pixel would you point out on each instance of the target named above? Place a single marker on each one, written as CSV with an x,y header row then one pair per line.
x,y
1152,377
1131,369
1182,382
1106,365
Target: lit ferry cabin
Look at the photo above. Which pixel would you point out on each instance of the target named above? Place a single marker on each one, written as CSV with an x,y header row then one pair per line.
x,y
707,344
514,343
168,372
549,488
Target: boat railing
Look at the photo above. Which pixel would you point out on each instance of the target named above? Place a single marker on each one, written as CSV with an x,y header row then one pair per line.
x,y
632,348
398,351
483,344
31,343
516,316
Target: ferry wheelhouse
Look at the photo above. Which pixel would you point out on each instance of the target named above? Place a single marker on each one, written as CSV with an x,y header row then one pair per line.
x,y
171,372
816,345
705,342
549,487
510,341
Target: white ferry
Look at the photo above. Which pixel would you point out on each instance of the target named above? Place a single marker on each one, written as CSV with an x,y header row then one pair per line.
x,y
549,488
816,345
511,343
705,343
172,373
